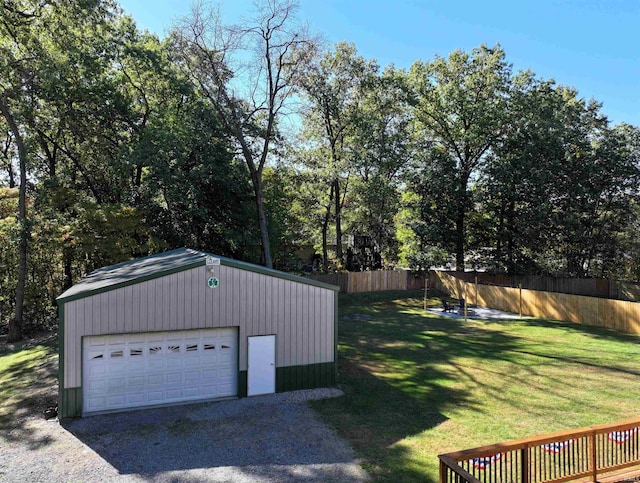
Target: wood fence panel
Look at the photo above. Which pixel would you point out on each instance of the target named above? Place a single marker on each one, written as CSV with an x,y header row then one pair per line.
x,y
623,316
594,287
375,281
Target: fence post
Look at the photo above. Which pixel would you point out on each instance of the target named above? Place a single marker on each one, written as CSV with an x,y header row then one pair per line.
x,y
520,301
443,472
466,302
426,285
476,303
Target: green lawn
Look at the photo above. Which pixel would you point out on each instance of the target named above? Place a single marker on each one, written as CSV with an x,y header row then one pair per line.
x,y
418,384
28,373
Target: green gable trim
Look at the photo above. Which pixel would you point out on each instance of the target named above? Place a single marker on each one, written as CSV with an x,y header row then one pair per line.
x,y
310,376
250,267
228,262
127,283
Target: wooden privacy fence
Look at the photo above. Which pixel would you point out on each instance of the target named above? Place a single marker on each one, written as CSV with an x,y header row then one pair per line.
x,y
619,315
374,281
591,287
605,453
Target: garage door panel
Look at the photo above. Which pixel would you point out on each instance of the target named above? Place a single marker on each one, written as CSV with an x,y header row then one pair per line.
x,y
134,398
192,362
98,387
96,401
173,378
191,376
155,365
137,381
127,371
96,369
155,379
117,400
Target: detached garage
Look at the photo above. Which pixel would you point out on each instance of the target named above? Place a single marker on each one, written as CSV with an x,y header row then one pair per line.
x,y
186,326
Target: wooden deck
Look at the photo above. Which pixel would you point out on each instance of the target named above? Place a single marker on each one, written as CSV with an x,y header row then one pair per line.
x,y
606,453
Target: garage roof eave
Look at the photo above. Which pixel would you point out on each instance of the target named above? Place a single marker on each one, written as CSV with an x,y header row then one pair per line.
x,y
160,265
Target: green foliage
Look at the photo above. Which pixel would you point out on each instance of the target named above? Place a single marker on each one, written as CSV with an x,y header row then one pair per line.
x,y
193,192
287,217
132,145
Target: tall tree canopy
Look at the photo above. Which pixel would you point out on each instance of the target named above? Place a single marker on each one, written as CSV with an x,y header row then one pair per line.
x,y
460,107
334,86
277,50
115,144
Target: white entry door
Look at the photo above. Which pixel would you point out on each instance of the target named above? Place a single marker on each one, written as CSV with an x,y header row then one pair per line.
x,y
134,370
262,365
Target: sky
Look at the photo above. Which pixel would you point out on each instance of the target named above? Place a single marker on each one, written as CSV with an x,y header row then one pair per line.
x,y
592,45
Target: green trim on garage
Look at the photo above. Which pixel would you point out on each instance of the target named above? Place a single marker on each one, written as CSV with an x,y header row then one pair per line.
x,y
309,376
124,274
242,384
70,405
69,400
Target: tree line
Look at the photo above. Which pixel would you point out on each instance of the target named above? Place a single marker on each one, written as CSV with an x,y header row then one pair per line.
x,y
255,140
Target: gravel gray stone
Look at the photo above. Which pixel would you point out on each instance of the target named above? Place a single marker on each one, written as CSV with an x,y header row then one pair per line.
x,y
259,439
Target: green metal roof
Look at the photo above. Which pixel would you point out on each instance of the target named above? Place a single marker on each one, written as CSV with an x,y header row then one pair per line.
x,y
160,265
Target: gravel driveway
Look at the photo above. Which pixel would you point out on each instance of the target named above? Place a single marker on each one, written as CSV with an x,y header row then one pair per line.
x,y
266,438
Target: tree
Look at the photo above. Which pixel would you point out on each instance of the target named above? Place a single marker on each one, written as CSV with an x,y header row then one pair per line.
x,y
558,190
460,105
193,192
205,49
20,50
334,85
381,150
519,176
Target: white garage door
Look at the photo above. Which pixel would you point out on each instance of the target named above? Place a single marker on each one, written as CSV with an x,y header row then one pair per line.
x,y
134,370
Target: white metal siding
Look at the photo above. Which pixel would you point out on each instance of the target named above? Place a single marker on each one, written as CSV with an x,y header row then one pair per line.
x,y
301,315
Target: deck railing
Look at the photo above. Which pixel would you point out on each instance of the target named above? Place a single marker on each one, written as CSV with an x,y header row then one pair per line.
x,y
596,453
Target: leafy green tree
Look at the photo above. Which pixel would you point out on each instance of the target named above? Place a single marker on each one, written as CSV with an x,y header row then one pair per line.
x,y
381,152
334,86
287,215
516,183
460,107
559,188
193,192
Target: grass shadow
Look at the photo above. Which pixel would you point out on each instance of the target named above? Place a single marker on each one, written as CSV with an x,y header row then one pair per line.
x,y
399,373
419,383
28,385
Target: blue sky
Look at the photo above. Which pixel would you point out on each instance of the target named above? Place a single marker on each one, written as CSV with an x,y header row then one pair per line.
x,y
593,45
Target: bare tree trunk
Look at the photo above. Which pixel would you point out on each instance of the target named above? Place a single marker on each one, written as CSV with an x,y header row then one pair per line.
x,y
460,219
325,228
15,324
338,219
5,154
262,219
